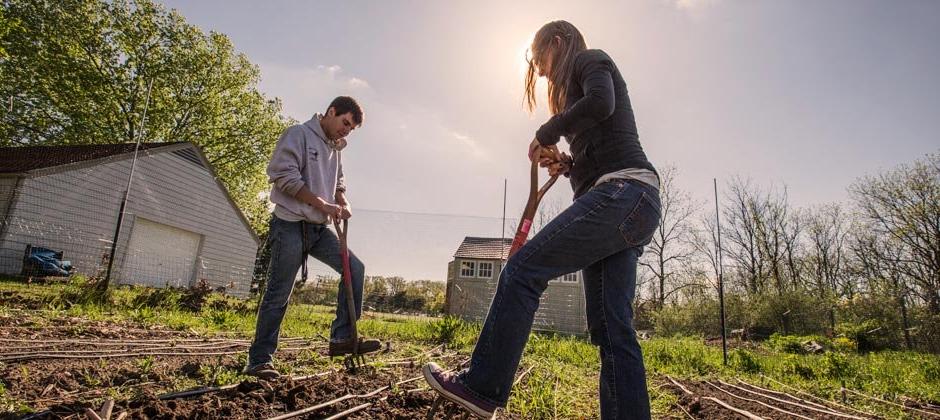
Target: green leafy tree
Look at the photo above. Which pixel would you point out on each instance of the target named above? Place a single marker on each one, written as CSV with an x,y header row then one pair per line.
x,y
902,207
77,72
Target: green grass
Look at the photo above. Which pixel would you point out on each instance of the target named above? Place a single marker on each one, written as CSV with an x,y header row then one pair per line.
x,y
563,371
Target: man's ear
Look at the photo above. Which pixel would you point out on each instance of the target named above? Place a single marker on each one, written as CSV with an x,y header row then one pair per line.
x,y
331,112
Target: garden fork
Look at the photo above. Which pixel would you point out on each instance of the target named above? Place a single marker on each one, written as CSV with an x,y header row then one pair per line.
x,y
355,360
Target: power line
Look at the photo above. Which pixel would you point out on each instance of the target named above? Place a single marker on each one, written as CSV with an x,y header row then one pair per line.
x,y
412,213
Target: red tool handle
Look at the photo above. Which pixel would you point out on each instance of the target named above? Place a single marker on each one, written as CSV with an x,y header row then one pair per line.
x,y
347,280
535,196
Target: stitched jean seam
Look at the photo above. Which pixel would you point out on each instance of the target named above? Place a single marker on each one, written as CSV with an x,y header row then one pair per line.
x,y
610,342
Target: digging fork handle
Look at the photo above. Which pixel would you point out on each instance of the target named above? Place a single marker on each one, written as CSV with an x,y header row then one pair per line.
x,y
343,233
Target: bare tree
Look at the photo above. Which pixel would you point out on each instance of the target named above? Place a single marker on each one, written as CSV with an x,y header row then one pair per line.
x,y
743,215
705,244
793,232
827,230
904,204
770,213
671,246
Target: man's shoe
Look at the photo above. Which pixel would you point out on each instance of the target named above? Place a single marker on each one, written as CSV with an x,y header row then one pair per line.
x,y
447,384
366,345
264,371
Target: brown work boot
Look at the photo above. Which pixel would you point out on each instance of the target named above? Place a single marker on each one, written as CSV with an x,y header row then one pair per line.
x,y
264,371
366,345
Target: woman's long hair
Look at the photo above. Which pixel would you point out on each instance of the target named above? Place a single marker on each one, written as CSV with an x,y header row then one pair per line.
x,y
562,62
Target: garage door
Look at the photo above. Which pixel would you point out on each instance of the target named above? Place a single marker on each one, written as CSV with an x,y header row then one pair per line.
x,y
160,255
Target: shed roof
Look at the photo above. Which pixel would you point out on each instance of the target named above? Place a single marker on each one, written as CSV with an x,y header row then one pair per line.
x,y
484,248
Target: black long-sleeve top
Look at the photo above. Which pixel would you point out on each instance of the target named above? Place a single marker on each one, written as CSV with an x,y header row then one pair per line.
x,y
597,122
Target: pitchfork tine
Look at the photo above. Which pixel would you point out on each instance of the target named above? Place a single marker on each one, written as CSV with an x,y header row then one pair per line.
x,y
434,407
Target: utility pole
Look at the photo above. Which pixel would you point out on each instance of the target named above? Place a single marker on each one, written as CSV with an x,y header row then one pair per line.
x,y
721,285
117,229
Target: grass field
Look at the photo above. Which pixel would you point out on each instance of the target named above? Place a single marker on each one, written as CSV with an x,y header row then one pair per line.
x,y
561,372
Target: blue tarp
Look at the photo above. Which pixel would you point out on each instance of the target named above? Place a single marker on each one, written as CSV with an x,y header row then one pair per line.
x,y
41,261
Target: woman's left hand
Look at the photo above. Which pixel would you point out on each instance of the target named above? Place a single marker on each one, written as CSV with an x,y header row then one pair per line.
x,y
534,150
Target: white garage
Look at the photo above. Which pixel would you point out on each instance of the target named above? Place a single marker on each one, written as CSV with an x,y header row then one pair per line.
x,y
160,255
180,224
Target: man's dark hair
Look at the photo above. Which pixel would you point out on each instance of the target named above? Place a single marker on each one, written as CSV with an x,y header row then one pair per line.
x,y
344,104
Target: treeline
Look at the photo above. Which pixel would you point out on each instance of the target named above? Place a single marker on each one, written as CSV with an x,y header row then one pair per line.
x,y
868,268
381,294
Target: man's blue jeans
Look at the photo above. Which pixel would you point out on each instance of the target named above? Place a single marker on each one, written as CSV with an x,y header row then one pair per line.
x,y
287,254
602,233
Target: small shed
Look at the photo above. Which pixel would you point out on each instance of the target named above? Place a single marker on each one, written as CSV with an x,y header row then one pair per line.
x,y
180,227
471,283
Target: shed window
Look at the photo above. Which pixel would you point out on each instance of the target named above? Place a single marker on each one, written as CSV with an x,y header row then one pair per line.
x,y
485,270
467,268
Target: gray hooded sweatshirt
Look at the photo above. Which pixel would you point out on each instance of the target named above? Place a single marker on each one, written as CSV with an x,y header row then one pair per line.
x,y
304,156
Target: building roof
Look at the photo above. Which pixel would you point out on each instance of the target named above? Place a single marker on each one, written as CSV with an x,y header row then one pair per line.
x,y
20,159
484,248
23,159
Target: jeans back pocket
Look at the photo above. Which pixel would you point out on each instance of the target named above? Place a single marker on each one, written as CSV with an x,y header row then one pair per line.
x,y
641,222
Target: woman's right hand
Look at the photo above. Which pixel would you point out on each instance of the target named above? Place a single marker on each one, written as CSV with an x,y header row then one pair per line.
x,y
560,166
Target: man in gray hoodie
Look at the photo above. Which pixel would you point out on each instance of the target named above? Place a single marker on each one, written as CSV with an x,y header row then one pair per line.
x,y
309,190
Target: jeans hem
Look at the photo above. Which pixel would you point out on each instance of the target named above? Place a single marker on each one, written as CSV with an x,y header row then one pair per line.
x,y
478,395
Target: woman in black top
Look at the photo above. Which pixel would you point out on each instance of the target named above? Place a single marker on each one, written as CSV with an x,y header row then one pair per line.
x,y
614,214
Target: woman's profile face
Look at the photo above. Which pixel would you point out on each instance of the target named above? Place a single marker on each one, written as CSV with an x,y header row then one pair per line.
x,y
542,58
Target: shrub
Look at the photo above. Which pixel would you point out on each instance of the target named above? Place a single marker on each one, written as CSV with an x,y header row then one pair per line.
x,y
837,366
869,335
844,344
785,343
84,291
445,330
156,298
793,365
195,297
744,361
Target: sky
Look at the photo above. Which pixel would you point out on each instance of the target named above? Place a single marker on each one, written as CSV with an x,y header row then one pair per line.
x,y
810,95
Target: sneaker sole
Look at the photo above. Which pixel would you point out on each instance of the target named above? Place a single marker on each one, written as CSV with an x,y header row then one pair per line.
x,y
426,371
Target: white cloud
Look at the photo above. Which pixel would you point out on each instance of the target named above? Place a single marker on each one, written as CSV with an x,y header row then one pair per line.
x,y
355,83
475,148
331,70
693,5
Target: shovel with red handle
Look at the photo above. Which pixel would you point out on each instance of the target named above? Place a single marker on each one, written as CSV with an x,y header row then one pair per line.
x,y
354,360
535,197
522,233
